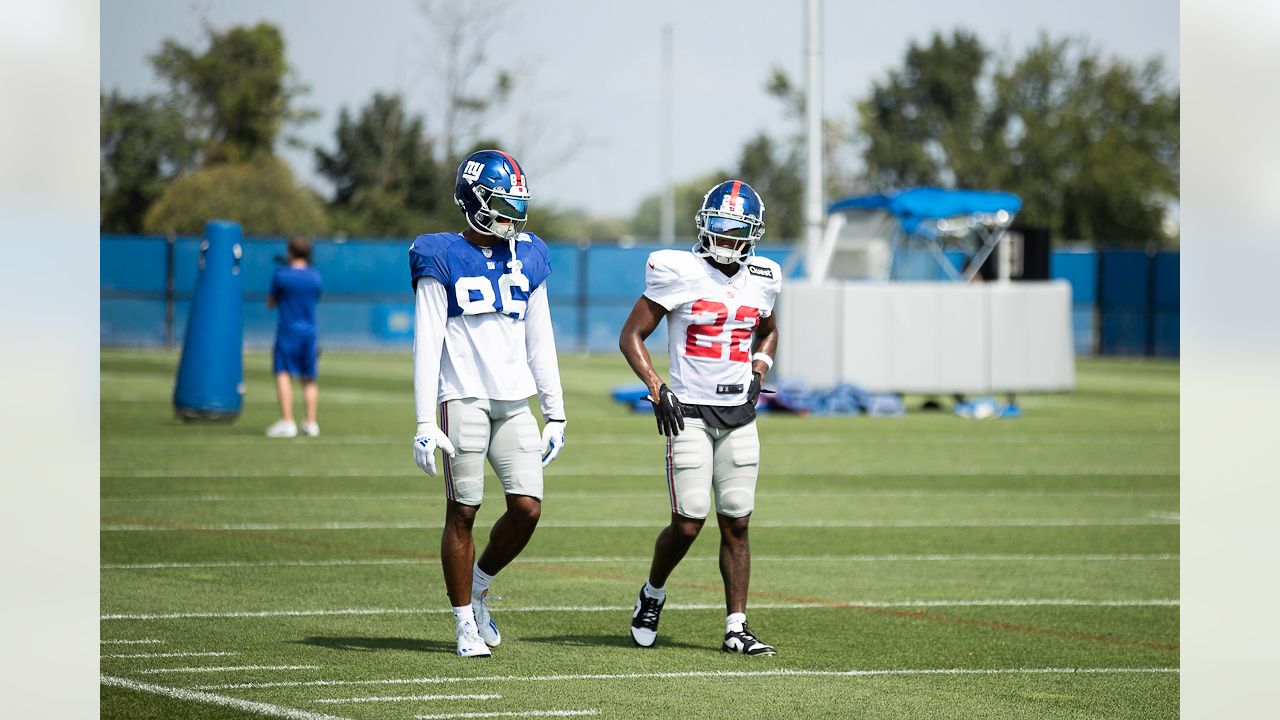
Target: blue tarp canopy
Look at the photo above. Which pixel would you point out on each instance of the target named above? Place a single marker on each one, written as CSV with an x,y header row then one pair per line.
x,y
915,206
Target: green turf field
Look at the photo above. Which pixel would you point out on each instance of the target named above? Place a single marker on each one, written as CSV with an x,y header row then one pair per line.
x,y
916,567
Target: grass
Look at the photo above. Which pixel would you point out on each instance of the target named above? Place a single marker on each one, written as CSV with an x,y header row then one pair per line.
x,y
923,566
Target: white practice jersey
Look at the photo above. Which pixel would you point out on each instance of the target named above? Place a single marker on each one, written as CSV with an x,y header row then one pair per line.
x,y
711,319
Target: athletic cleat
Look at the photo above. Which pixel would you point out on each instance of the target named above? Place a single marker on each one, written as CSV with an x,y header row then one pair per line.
x,y
469,642
283,429
745,642
644,620
485,625
310,429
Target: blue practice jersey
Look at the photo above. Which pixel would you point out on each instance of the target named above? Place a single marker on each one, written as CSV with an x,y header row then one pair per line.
x,y
474,282
296,292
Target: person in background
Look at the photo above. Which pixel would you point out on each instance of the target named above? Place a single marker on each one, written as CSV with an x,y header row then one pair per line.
x,y
295,293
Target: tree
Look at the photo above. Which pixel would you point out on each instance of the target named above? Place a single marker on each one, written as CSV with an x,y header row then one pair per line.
x,y
238,91
262,195
143,144
688,198
385,180
775,172
1089,143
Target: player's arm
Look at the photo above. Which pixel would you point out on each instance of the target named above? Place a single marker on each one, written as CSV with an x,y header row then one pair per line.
x,y
644,319
766,343
540,346
271,294
431,309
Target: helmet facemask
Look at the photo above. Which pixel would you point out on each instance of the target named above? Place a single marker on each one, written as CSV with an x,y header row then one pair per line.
x,y
502,214
727,239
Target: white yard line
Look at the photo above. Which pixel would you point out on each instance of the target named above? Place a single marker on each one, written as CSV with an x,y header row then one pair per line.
x,y
620,495
406,698
781,672
992,602
133,642
510,714
418,525
1003,471
644,439
172,655
228,668
643,559
249,706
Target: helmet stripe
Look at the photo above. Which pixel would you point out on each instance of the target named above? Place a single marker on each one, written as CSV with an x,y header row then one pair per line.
x,y
737,185
519,174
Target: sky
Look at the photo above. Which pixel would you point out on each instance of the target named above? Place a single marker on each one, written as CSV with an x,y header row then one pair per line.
x,y
584,119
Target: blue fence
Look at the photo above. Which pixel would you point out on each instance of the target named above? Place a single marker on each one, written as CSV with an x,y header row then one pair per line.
x,y
1124,302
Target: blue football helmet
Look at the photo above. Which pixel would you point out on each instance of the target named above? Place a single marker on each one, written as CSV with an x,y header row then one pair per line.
x,y
730,222
493,193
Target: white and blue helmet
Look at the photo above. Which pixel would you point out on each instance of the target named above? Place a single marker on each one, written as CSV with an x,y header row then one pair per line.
x,y
493,193
730,222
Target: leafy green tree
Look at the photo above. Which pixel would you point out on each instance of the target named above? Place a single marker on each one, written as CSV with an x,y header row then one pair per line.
x,y
143,144
238,91
776,173
385,180
1089,143
261,194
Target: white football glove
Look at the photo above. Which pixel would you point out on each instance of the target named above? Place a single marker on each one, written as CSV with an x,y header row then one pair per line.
x,y
425,442
552,440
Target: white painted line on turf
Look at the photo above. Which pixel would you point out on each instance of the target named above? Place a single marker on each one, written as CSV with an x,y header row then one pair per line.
x,y
406,698
414,525
510,714
641,559
133,642
228,668
1003,471
249,706
626,494
1095,440
172,655
781,672
834,604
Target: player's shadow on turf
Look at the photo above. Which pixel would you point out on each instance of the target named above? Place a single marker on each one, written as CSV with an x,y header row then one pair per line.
x,y
622,641
373,644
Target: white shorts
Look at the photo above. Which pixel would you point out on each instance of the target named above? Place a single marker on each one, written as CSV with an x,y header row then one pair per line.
x,y
502,430
701,458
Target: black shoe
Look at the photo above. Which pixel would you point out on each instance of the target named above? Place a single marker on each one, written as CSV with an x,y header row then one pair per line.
x,y
745,642
644,620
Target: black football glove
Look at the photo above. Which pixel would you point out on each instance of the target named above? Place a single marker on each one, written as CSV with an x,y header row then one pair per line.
x,y
667,410
753,390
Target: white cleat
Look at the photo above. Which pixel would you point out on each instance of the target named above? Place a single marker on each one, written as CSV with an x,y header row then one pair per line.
x,y
469,642
310,429
283,429
485,626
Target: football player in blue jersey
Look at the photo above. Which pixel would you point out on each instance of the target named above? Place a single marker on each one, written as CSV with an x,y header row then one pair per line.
x,y
482,345
718,302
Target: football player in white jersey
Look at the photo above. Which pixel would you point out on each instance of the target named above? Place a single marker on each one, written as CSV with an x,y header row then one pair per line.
x,y
718,301
482,345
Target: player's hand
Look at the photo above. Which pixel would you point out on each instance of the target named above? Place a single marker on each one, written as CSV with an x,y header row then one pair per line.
x,y
753,390
552,440
425,442
667,409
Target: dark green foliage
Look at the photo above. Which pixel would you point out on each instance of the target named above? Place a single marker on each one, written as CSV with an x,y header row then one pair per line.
x,y
144,143
1089,143
237,90
262,195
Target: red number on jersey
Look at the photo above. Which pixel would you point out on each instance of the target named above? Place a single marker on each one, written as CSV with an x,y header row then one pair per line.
x,y
740,338
737,337
712,349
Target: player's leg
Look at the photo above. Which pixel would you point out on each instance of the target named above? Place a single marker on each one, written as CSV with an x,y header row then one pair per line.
x,y
466,422
283,366
688,470
515,455
737,462
310,389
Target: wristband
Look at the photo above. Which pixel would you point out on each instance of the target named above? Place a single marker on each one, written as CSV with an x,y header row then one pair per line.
x,y
768,361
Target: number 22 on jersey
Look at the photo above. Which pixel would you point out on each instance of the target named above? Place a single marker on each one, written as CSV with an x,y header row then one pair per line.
x,y
704,340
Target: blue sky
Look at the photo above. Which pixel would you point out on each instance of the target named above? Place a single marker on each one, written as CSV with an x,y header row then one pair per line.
x,y
588,85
